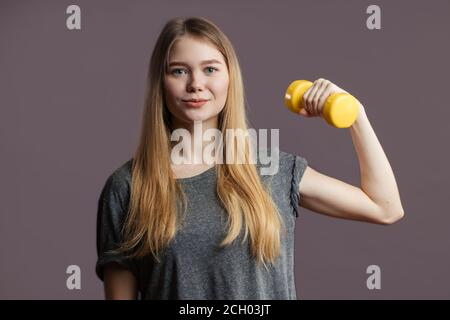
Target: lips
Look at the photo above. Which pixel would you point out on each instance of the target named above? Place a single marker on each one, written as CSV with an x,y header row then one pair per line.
x,y
195,100
195,103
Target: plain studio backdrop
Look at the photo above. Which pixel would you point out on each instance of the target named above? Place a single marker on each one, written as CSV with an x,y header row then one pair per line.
x,y
71,103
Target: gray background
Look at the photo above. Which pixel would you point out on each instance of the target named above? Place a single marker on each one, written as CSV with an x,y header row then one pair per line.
x,y
71,103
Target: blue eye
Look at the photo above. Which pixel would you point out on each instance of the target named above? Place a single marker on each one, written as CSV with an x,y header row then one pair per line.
x,y
179,71
174,71
215,69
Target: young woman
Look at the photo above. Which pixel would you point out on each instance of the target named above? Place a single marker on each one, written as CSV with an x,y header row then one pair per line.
x,y
221,230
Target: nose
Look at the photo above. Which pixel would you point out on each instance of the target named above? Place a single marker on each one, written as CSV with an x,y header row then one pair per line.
x,y
195,83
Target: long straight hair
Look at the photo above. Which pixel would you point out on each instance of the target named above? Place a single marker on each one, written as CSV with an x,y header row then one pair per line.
x,y
157,202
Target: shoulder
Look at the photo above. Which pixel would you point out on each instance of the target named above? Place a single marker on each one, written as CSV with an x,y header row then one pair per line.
x,y
285,173
118,182
276,162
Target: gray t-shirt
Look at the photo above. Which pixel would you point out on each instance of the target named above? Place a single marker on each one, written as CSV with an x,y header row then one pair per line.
x,y
193,266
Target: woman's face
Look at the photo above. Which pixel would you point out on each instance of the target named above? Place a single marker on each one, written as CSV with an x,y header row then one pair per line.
x,y
197,70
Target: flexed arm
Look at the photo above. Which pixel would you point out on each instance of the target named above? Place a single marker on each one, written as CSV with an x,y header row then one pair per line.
x,y
378,199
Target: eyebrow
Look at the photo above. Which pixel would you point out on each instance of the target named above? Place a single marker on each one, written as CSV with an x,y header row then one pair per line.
x,y
179,63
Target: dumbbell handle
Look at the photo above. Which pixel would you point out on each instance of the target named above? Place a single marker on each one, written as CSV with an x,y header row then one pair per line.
x,y
340,109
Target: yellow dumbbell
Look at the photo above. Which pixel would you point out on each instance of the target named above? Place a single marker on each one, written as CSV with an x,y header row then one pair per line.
x,y
340,109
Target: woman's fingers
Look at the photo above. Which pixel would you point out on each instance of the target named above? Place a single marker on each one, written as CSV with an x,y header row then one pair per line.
x,y
313,97
305,113
319,98
324,96
307,98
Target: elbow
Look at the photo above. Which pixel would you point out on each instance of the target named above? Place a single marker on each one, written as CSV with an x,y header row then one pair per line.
x,y
392,218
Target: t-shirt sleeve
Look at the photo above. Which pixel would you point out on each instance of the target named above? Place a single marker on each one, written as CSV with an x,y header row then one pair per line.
x,y
111,213
298,168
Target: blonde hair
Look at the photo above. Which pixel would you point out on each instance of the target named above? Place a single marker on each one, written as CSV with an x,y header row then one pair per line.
x,y
156,199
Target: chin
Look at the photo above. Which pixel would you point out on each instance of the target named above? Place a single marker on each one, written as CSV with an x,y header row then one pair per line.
x,y
198,115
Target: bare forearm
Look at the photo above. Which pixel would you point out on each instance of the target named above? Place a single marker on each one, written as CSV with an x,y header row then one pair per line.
x,y
119,283
377,177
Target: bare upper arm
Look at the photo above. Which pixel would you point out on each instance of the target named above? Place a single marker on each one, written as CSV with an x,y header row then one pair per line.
x,y
332,197
119,282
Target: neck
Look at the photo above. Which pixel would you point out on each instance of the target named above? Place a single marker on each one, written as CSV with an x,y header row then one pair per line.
x,y
190,143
